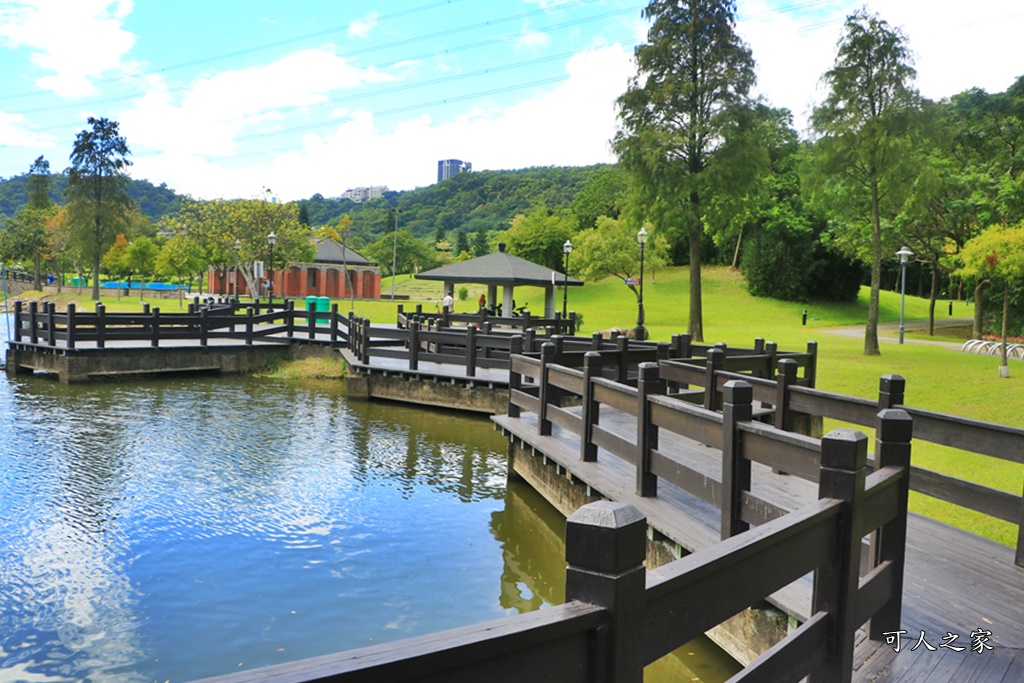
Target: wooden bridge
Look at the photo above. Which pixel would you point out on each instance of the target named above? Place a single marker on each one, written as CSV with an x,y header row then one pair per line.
x,y
691,448
874,593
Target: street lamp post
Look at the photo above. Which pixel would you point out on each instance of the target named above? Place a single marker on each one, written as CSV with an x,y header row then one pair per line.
x,y
271,240
641,237
904,254
238,261
566,249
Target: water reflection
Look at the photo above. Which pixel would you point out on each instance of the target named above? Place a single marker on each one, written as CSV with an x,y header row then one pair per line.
x,y
177,529
532,537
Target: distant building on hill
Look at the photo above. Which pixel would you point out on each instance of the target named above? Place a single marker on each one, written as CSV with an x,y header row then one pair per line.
x,y
446,168
363,194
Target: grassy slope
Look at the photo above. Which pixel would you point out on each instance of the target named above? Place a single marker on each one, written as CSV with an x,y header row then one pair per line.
x,y
937,378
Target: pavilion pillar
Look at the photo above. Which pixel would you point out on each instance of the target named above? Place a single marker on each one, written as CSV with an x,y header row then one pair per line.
x,y
549,301
492,296
507,300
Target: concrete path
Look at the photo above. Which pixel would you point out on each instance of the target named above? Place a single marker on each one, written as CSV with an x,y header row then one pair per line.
x,y
889,332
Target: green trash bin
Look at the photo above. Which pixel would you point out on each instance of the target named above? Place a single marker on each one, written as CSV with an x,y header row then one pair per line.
x,y
323,305
310,303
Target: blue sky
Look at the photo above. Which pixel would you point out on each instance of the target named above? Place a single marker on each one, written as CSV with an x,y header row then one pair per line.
x,y
222,98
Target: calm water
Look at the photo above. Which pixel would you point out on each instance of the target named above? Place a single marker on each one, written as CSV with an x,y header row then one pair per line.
x,y
170,530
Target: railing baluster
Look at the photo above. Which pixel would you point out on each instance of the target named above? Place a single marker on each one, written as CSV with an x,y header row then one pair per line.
x,y
613,579
785,378
515,380
892,449
648,384
71,325
714,364
737,407
101,325
547,355
470,351
591,409
844,455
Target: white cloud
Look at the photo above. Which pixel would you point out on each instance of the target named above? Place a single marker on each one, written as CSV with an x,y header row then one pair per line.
x,y
16,131
569,124
60,34
360,28
217,109
532,40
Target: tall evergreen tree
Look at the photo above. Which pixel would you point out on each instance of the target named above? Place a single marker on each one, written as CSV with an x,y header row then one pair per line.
x,y
680,117
864,160
39,184
97,190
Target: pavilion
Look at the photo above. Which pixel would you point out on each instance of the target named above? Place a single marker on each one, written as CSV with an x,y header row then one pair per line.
x,y
502,269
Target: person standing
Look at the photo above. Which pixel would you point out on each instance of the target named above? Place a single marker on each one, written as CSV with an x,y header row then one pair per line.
x,y
483,301
447,302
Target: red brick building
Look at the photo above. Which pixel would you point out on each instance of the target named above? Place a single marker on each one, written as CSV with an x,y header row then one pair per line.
x,y
325,276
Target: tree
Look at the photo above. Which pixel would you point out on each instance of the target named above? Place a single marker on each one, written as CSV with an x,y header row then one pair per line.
x,y
97,190
611,249
996,255
39,184
682,117
539,235
411,255
180,256
481,245
862,159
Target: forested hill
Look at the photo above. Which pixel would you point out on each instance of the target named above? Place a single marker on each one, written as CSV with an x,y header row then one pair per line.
x,y
482,199
468,201
153,201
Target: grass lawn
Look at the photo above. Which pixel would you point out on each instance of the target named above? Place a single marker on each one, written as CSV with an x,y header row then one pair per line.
x,y
937,378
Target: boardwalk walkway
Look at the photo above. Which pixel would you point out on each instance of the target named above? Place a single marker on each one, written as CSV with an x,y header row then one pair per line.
x,y
955,582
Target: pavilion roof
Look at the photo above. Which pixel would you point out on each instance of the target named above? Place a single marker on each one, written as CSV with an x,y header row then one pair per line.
x,y
499,268
330,251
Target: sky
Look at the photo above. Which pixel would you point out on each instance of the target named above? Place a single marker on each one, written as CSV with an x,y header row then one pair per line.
x,y
231,98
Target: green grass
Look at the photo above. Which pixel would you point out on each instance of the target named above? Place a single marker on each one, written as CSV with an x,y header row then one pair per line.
x,y
937,379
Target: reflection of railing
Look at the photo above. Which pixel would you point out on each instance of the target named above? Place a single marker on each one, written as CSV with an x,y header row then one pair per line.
x,y
212,320
618,618
986,347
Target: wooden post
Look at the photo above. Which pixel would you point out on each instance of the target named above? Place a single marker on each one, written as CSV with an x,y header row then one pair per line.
x,y
715,363
414,344
1018,559
771,349
470,351
17,321
547,355
595,341
621,350
33,310
811,373
71,325
591,408
891,389
759,351
844,455
154,339
648,384
311,320
572,323
51,333
737,406
334,325
682,345
402,320
783,380
204,325
515,380
893,433
248,326
605,546
529,340
364,348
101,325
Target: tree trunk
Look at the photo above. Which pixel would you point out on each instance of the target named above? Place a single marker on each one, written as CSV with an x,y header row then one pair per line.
x,y
931,300
871,330
736,254
1006,314
979,309
696,327
39,272
96,276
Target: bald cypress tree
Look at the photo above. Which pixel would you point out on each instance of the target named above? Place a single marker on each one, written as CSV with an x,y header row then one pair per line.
x,y
682,117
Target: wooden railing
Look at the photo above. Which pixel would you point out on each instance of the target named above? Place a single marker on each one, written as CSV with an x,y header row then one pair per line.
x,y
521,323
972,436
212,320
618,618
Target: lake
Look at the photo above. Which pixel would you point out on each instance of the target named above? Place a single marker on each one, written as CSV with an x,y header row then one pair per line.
x,y
175,529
